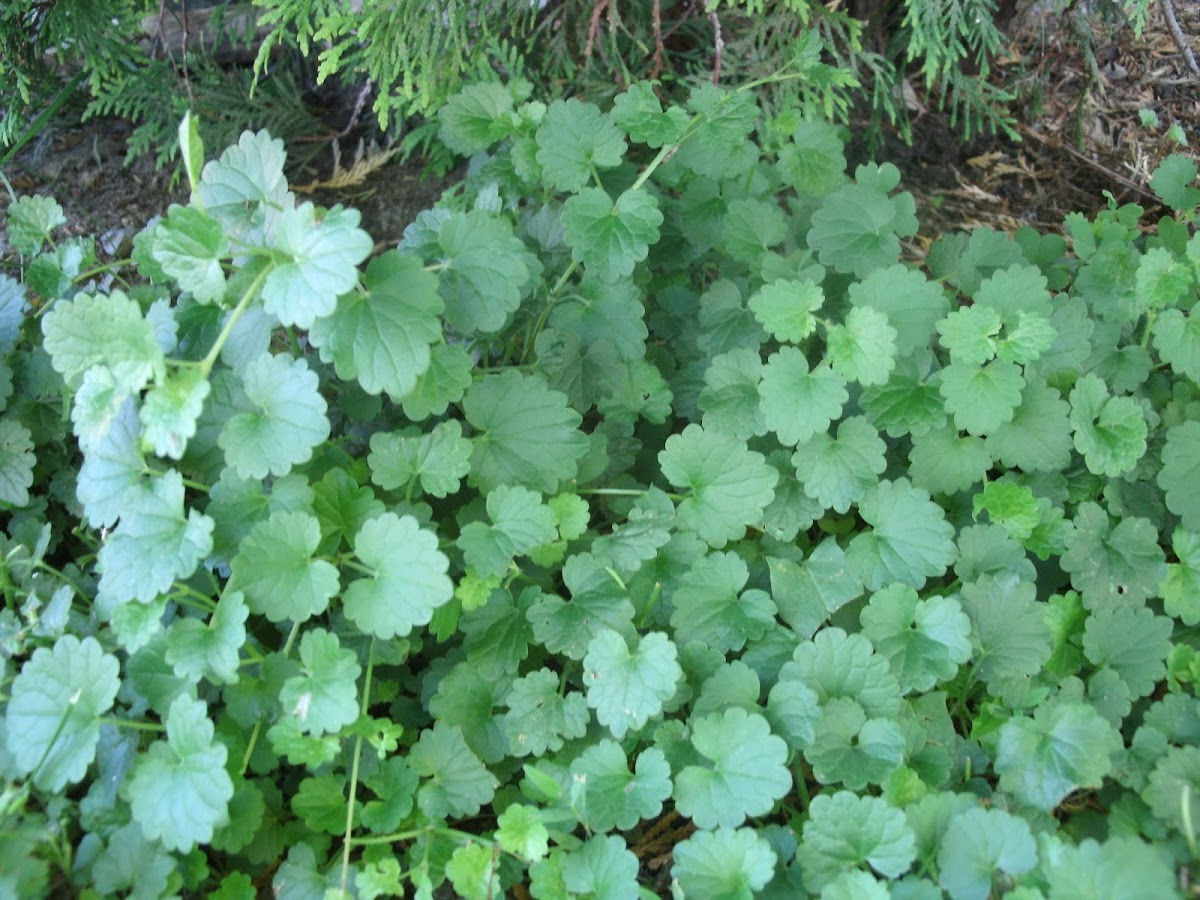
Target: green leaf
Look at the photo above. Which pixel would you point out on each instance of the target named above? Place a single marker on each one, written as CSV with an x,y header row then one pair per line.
x,y
807,594
628,688
246,187
575,138
170,410
745,773
730,395
837,665
395,784
131,861
16,463
785,308
485,270
31,220
1038,437
845,831
13,307
322,257
730,864
1134,643
275,568
520,523
639,114
198,650
751,227
863,349
380,334
837,471
324,696
1181,589
457,784
602,868
730,485
526,433
51,725
943,461
540,717
924,641
1065,746
979,843
970,333
520,831
796,402
439,458
814,163
1172,182
1113,565
1180,473
611,314
179,791
910,539
858,227
156,542
476,117
614,797
321,803
285,421
598,601
710,606
408,577
611,238
982,398
102,330
1177,339
848,747
189,245
472,871
1010,635
1110,431
912,303
1123,866
904,406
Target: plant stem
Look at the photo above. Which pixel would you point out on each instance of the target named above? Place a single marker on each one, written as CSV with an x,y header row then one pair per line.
x,y
358,742
210,360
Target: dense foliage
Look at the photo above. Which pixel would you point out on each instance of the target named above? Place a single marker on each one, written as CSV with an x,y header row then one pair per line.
x,y
645,523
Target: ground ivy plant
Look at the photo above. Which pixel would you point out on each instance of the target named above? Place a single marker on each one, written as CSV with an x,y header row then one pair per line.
x,y
647,523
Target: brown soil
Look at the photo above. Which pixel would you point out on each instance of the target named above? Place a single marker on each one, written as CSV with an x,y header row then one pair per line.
x,y
1083,139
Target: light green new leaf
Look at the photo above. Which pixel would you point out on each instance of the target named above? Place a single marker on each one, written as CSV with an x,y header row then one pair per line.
x,y
520,523
730,485
170,410
16,462
745,773
1010,505
526,433
1177,340
602,868
51,726
189,245
1113,565
924,641
638,112
381,333
156,542
1163,279
573,139
845,831
730,864
909,541
456,783
796,402
627,689
863,349
179,791
31,219
1180,473
1110,431
472,870
1173,182
969,333
977,844
322,258
1032,336
408,580
285,422
196,649
1067,745
485,270
275,569
982,398
614,797
324,696
439,458
1134,643
785,308
836,471
246,188
106,330
611,238
519,830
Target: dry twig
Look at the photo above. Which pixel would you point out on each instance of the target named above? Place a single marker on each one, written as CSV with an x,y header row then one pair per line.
x,y
1168,8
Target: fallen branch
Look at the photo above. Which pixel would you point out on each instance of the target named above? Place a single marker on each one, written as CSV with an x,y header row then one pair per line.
x,y
1168,8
